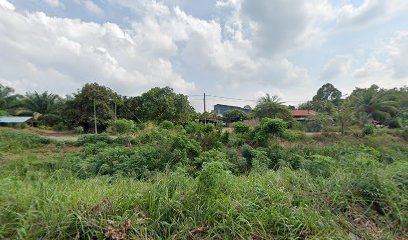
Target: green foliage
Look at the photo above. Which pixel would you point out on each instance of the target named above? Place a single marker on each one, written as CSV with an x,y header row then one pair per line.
x,y
3,113
159,104
368,129
327,93
376,104
94,138
271,107
166,185
240,127
167,125
318,165
43,103
79,111
236,114
14,141
274,126
50,119
294,136
123,126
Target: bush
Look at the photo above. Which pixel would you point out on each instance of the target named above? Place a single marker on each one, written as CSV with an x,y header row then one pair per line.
x,y
294,135
240,127
209,128
123,126
395,123
194,127
166,125
404,134
17,141
274,126
318,165
78,130
3,113
94,138
368,129
50,120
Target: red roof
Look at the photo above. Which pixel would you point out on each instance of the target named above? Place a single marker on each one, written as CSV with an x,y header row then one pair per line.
x,y
303,113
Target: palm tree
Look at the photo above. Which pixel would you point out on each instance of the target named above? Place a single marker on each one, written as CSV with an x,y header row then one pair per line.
x,y
375,105
44,103
272,107
8,100
270,99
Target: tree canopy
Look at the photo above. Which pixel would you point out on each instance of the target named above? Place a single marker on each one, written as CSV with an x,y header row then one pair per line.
x,y
271,107
159,104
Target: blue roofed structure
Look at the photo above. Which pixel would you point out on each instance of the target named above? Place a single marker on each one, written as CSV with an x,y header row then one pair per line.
x,y
11,120
220,109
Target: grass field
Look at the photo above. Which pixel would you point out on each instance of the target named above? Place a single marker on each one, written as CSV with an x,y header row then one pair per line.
x,y
161,187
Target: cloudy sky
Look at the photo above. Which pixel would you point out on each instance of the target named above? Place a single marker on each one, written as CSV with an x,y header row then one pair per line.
x,y
227,48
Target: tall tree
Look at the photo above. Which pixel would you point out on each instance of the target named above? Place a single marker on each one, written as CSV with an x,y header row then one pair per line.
x,y
80,109
271,107
159,104
43,103
9,101
328,93
374,103
345,116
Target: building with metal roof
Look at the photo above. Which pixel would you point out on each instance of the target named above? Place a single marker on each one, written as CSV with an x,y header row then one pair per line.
x,y
12,120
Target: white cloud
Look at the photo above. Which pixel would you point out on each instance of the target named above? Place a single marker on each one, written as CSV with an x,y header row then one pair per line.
x,y
336,67
49,53
387,66
7,5
54,3
92,7
369,12
254,44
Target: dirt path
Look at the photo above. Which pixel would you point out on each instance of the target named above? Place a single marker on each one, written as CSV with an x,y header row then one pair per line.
x,y
58,136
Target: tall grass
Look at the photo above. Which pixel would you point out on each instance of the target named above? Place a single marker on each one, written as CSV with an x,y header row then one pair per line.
x,y
337,191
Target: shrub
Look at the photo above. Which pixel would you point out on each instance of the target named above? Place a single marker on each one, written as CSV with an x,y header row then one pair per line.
x,y
50,120
274,126
368,129
294,135
123,126
78,130
3,113
318,165
213,156
395,123
166,125
17,141
404,134
209,128
240,127
194,127
94,138
212,179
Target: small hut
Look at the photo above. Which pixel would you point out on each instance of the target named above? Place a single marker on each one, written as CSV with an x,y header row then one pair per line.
x,y
11,120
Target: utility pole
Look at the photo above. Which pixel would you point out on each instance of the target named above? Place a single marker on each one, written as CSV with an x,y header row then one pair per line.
x,y
96,126
205,112
116,116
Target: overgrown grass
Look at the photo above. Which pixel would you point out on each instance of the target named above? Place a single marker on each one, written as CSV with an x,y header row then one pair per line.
x,y
295,190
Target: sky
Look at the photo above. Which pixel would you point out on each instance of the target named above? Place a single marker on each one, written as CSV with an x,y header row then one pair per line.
x,y
235,49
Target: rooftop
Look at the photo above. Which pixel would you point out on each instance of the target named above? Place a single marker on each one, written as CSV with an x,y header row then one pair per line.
x,y
14,119
303,113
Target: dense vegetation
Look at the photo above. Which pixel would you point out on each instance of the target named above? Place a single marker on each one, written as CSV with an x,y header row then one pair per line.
x,y
198,182
158,174
364,106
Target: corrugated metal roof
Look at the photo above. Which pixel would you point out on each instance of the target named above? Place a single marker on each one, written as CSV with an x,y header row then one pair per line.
x,y
303,113
14,119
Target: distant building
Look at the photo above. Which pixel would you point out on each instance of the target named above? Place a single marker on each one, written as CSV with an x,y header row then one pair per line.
x,y
302,115
8,120
220,109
